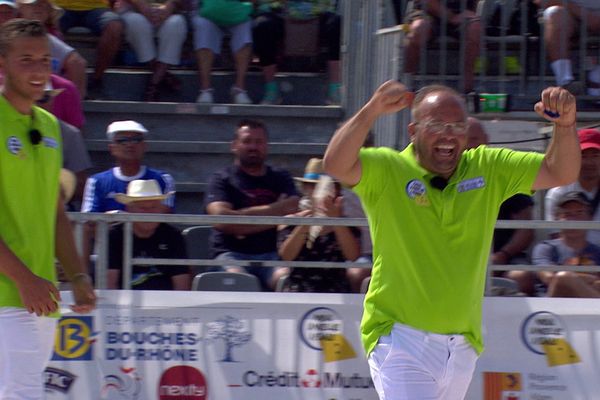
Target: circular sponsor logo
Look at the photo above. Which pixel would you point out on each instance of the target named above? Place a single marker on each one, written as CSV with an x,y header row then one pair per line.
x,y
319,324
14,144
415,188
182,382
540,328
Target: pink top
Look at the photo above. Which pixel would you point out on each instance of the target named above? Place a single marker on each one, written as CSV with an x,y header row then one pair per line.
x,y
67,105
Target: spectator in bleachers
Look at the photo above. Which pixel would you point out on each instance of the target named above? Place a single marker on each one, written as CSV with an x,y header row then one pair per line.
x,y
75,155
96,16
509,246
326,243
150,240
570,249
269,33
249,187
8,10
65,101
145,23
127,146
66,61
562,19
209,27
588,181
425,22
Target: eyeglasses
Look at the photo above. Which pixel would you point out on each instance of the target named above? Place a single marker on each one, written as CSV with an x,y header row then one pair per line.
x,y
437,128
133,139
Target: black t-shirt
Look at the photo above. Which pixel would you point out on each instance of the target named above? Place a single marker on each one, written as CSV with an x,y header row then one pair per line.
x,y
167,242
511,206
241,190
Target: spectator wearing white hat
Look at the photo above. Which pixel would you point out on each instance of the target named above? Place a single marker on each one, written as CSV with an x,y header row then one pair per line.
x,y
127,146
150,240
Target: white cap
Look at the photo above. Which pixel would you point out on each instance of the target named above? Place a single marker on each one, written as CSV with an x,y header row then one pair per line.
x,y
125,126
9,3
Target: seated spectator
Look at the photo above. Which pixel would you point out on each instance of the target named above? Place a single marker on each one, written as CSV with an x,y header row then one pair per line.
x,y
96,16
571,248
8,10
249,187
318,243
150,240
127,146
588,181
66,61
269,33
208,35
562,19
426,22
65,104
143,22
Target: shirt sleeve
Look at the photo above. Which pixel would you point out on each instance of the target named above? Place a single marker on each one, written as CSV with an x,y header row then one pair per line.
x,y
287,184
91,197
217,190
168,185
543,254
115,249
373,179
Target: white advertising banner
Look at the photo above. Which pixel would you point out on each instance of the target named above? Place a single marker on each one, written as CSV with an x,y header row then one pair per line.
x,y
144,345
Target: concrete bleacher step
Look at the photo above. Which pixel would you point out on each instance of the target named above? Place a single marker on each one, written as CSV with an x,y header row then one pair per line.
x,y
128,84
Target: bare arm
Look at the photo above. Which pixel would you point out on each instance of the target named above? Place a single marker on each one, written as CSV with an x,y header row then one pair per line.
x,y
294,243
283,206
341,157
563,157
66,252
182,282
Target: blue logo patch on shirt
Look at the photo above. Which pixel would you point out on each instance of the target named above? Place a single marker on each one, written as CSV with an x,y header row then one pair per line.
x,y
14,145
471,184
415,188
50,142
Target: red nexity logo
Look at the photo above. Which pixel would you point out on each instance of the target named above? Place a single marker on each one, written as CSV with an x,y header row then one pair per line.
x,y
182,382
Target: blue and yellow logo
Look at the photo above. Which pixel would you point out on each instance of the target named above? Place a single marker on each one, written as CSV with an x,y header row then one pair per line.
x,y
74,338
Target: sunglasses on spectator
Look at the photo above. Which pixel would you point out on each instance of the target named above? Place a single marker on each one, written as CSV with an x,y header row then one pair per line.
x,y
437,128
133,139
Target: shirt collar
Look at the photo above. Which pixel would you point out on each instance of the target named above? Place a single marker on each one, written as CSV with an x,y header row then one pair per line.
x,y
409,155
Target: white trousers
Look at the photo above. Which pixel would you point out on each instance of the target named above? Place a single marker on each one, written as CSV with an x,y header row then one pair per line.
x,y
26,343
410,364
140,34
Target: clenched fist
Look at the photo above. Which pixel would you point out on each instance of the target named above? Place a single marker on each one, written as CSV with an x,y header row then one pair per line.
x,y
557,105
389,98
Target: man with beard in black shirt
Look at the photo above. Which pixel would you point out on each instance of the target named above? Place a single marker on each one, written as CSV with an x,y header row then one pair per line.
x,y
249,187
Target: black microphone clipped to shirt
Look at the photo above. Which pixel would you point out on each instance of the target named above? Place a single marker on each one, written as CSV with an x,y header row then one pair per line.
x,y
438,182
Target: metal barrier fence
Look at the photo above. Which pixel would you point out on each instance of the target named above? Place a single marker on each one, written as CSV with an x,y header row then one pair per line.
x,y
103,221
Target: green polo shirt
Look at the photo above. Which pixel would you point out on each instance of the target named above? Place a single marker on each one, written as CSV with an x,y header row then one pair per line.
x,y
430,247
29,182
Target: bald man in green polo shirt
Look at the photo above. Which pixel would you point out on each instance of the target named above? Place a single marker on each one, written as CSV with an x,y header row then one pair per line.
x,y
34,228
431,209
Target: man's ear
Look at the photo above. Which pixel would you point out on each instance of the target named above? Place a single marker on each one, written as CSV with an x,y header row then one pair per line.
x,y
412,131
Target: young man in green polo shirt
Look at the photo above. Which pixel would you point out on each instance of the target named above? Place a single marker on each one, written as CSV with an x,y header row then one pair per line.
x,y
432,209
33,225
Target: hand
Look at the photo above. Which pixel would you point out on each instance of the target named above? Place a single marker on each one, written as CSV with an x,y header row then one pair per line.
x,y
331,206
389,98
39,295
83,294
557,105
